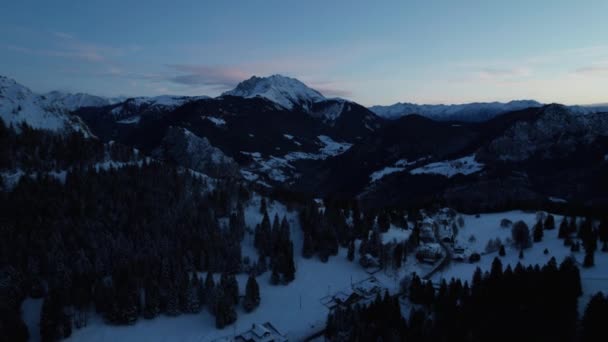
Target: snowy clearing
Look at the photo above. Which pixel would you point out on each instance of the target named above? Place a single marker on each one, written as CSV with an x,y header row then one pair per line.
x,y
449,168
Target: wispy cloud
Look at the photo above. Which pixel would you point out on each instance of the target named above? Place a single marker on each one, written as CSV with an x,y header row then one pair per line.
x,y
66,45
594,70
500,74
205,75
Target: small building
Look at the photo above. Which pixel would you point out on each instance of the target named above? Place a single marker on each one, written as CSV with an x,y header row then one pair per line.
x,y
429,253
368,288
427,233
261,333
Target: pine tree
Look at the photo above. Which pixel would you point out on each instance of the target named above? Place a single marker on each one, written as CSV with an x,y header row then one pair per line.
x,y
538,231
225,314
589,259
193,304
502,251
275,278
209,289
252,295
496,270
152,301
290,269
563,229
593,322
351,251
384,221
549,222
307,246
263,208
172,306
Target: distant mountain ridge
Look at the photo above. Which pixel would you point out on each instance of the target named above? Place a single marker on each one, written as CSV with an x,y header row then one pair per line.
x,y
470,112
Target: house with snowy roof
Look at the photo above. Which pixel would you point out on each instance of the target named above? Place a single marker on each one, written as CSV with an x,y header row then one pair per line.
x,y
261,333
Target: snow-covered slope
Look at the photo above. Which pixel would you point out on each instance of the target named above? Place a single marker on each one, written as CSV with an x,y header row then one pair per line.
x,y
72,102
478,111
19,104
129,110
286,91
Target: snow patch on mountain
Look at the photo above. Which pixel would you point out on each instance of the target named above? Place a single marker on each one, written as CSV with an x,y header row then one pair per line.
x,y
130,121
332,148
399,166
449,168
216,121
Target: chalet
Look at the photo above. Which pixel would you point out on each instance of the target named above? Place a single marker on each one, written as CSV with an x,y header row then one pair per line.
x,y
261,333
342,299
429,253
368,288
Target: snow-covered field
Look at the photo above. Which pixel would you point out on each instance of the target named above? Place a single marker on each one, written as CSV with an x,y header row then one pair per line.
x,y
296,309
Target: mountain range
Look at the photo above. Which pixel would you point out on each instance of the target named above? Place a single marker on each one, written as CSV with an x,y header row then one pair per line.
x,y
277,133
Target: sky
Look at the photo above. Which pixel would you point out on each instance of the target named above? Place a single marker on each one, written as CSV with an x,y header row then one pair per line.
x,y
372,52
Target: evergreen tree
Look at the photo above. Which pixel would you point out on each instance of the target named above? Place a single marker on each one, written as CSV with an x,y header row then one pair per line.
x,y
263,207
496,270
193,304
252,295
55,324
351,251
225,313
290,269
563,229
538,231
520,234
384,221
593,322
275,278
307,247
209,289
502,251
589,260
151,301
549,222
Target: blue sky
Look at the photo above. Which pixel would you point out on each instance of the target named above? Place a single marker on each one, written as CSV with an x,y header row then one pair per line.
x,y
377,52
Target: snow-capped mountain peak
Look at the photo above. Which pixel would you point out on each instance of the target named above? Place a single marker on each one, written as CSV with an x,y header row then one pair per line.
x,y
19,104
285,91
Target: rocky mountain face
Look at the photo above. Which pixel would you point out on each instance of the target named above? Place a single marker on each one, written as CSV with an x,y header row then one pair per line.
x,y
184,148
